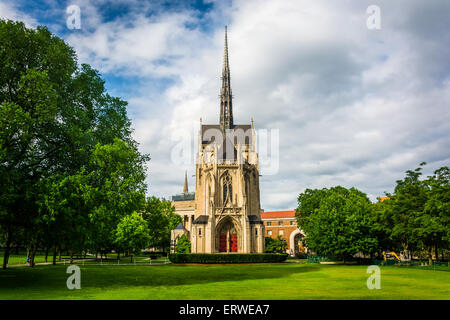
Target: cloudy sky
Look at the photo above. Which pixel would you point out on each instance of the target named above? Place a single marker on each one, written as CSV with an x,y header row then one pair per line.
x,y
353,106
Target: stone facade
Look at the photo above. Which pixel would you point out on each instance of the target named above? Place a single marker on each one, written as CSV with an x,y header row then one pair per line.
x,y
224,215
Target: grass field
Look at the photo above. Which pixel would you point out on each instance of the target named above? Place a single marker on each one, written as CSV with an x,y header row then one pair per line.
x,y
22,258
253,281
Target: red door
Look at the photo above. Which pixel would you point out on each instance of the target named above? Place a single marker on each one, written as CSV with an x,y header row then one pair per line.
x,y
233,243
223,243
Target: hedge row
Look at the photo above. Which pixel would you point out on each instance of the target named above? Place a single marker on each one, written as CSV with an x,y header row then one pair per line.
x,y
226,258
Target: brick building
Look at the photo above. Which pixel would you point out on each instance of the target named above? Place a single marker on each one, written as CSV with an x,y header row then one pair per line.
x,y
284,224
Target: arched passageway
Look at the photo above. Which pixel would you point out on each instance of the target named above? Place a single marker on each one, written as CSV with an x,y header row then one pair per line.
x,y
228,237
296,242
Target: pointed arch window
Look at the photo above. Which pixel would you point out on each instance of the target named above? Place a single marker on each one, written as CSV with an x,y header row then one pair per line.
x,y
227,191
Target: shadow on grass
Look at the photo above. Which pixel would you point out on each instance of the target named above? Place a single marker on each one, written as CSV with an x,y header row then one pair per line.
x,y
108,276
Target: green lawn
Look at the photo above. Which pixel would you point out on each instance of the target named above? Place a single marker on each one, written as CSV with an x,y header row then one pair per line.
x,y
255,281
22,258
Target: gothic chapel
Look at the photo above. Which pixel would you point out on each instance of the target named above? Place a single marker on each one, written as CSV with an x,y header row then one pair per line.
x,y
223,215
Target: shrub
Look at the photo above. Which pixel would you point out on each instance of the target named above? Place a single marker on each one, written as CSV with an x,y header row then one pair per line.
x,y
227,258
155,254
277,245
318,259
302,255
183,245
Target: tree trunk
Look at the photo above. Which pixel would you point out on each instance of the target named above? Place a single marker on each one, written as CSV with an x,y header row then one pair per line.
x,y
131,257
430,256
8,245
436,252
118,255
54,255
46,254
33,254
59,251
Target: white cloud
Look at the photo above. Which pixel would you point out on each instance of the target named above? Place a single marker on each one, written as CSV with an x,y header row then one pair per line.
x,y
9,11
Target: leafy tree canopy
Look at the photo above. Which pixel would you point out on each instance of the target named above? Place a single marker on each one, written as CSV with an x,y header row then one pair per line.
x,y
336,221
70,168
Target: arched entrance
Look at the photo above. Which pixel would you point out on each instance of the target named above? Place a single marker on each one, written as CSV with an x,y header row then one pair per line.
x,y
227,236
296,242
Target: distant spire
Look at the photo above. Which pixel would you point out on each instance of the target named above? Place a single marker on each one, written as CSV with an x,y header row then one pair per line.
x,y
185,189
226,106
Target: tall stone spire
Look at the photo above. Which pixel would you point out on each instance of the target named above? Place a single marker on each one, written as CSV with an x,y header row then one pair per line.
x,y
226,105
185,189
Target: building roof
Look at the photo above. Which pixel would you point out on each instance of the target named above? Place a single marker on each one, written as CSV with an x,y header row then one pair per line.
x,y
201,220
278,214
183,197
180,227
383,198
253,219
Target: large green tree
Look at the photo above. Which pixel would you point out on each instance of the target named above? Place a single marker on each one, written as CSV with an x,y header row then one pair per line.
x,y
132,234
434,228
161,218
416,216
118,188
336,222
420,211
408,202
64,204
383,222
66,151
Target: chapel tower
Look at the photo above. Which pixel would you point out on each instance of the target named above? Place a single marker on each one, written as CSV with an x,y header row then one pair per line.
x,y
227,204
